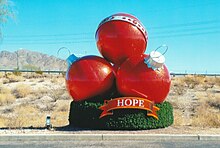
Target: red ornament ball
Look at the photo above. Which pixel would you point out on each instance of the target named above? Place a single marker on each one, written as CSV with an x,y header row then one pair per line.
x,y
135,78
89,76
121,36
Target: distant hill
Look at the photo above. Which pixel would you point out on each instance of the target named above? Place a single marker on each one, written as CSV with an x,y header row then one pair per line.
x,y
30,60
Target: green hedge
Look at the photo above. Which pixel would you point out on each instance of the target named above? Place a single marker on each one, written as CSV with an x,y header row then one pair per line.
x,y
86,115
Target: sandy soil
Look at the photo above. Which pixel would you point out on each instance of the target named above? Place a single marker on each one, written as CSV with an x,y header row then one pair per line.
x,y
196,102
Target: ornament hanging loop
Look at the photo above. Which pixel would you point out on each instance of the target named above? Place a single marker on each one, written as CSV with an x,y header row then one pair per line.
x,y
58,51
162,46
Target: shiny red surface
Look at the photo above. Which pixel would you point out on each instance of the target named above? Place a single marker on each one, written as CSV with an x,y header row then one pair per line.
x,y
89,76
134,78
118,40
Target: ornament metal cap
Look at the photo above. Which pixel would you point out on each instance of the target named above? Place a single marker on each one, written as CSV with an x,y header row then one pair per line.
x,y
156,60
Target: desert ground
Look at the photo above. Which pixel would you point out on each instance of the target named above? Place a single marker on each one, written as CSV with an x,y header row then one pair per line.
x,y
27,98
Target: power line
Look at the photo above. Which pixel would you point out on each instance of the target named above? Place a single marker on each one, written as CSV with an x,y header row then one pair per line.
x,y
87,38
47,35
49,39
185,24
186,34
182,7
173,26
173,33
93,41
187,30
47,43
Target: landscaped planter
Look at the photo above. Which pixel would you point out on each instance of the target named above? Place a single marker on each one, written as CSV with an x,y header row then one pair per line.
x,y
86,115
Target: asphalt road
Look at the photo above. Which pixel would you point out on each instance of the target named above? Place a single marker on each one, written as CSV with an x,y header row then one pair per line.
x,y
110,144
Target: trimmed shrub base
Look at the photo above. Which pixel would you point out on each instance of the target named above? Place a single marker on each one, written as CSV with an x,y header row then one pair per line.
x,y
86,115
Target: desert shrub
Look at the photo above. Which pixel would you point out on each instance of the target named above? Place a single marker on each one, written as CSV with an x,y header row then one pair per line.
x,y
39,72
49,107
46,107
4,90
193,80
6,99
40,92
58,80
62,108
8,110
3,121
54,80
178,87
65,96
217,81
62,105
41,80
215,101
6,96
16,72
2,75
57,94
64,74
5,80
25,115
204,117
178,118
34,75
59,118
86,114
14,78
207,114
22,90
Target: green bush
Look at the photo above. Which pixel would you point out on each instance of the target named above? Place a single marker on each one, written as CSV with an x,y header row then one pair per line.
x,y
86,115
16,72
39,72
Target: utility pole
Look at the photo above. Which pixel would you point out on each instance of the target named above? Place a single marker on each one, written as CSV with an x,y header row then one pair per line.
x,y
17,60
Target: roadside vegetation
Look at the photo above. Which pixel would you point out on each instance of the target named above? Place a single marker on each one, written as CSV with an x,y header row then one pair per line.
x,y
26,100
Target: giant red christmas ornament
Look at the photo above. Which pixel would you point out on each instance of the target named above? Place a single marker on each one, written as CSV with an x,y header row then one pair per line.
x,y
144,76
89,76
121,36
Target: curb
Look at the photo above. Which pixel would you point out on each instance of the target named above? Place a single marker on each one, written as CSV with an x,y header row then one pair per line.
x,y
209,137
107,137
149,137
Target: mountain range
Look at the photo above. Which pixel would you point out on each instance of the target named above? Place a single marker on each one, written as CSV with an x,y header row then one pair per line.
x,y
30,60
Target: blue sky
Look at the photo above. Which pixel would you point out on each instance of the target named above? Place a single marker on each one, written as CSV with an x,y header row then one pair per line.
x,y
191,28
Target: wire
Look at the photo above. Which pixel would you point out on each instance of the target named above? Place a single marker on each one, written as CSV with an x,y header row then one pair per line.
x,y
186,34
92,41
175,31
198,23
186,30
186,24
40,43
47,35
167,34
